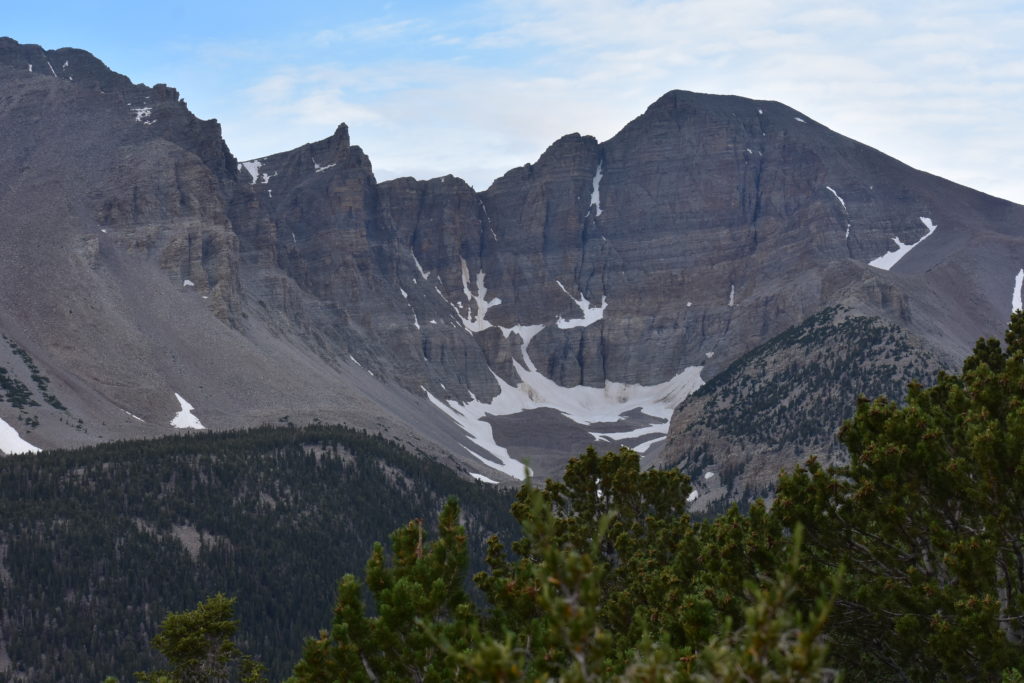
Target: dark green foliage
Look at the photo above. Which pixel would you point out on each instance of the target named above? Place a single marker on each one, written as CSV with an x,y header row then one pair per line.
x,y
15,391
94,539
865,356
906,564
200,647
928,519
911,566
418,594
612,579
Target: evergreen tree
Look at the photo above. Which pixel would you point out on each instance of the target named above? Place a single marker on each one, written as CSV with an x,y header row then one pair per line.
x,y
200,646
928,519
607,584
418,596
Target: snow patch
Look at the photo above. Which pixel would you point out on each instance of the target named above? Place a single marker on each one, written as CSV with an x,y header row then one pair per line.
x,y
708,475
732,295
317,168
581,404
185,419
642,448
477,323
595,193
692,497
424,274
11,443
590,314
187,283
760,112
132,415
619,436
797,118
54,72
890,259
141,113
526,334
1017,282
30,68
253,168
405,294
480,477
836,194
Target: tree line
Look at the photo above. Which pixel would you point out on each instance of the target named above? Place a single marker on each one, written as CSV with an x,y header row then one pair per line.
x,y
906,564
97,544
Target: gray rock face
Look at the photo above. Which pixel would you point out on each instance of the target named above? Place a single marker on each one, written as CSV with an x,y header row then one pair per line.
x,y
579,299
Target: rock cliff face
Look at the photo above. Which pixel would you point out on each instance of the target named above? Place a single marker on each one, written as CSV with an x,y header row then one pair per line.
x,y
578,300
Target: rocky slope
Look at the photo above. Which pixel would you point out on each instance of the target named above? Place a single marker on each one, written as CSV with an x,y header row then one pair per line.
x,y
577,300
782,402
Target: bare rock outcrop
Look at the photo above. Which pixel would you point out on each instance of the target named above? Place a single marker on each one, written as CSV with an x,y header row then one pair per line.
x,y
578,300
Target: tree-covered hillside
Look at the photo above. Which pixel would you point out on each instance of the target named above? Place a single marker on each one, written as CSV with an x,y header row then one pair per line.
x,y
784,401
906,564
98,544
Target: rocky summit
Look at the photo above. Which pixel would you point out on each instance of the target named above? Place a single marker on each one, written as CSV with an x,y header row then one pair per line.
x,y
149,282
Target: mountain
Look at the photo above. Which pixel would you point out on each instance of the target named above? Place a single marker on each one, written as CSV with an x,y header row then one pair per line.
x,y
147,276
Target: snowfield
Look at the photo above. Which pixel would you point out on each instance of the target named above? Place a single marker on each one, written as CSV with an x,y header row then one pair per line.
x,y
11,443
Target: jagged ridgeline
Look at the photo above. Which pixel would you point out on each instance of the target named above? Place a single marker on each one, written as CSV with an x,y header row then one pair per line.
x,y
575,301
98,544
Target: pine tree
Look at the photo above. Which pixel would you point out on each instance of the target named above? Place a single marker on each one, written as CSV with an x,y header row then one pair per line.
x,y
607,583
200,646
418,596
928,519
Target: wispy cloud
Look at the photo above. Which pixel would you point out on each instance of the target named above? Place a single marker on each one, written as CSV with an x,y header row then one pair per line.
x,y
368,32
938,85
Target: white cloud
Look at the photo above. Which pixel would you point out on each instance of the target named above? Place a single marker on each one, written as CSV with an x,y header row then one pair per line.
x,y
938,86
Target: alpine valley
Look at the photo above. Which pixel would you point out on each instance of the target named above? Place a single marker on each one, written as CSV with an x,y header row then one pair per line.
x,y
712,287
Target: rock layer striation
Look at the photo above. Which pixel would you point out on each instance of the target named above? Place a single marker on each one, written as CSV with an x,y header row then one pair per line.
x,y
578,300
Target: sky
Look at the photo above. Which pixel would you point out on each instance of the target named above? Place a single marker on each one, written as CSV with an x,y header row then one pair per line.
x,y
477,88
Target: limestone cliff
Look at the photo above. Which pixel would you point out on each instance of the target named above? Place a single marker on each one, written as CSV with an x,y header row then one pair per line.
x,y
580,299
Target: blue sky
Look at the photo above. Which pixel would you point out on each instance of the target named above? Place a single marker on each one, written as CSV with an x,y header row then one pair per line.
x,y
475,88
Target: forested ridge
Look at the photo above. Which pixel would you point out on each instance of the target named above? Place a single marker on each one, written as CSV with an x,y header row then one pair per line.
x,y
784,401
905,564
98,544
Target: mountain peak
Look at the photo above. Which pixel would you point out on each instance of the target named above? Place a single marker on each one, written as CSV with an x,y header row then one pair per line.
x,y
685,101
70,64
340,137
